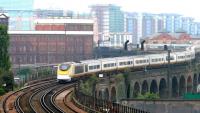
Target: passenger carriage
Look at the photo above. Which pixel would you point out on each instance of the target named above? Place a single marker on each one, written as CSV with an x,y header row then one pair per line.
x,y
158,59
108,64
124,62
139,61
92,65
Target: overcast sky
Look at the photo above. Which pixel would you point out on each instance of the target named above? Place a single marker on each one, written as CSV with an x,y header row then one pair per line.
x,y
184,7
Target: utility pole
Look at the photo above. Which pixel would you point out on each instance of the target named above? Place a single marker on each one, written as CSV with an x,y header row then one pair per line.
x,y
168,73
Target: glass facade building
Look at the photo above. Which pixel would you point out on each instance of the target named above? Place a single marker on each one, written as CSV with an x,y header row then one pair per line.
x,y
186,24
116,19
110,20
148,24
20,13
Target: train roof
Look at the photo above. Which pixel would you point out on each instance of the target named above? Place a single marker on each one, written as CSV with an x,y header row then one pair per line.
x,y
125,57
106,59
92,60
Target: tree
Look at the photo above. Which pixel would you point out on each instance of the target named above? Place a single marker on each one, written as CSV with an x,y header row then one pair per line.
x,y
8,80
4,45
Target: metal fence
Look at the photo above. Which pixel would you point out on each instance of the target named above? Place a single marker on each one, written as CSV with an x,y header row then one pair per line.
x,y
103,106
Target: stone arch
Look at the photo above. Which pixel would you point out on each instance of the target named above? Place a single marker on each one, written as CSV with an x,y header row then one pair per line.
x,y
106,94
100,94
128,91
145,87
163,88
136,89
154,87
189,84
199,79
174,87
113,94
195,83
182,86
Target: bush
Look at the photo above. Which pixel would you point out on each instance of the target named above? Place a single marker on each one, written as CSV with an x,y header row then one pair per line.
x,y
119,77
88,86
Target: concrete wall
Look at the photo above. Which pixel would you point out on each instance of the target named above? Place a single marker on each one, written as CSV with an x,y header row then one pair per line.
x,y
166,106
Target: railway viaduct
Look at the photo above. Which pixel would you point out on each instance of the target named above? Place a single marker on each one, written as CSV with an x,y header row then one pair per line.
x,y
182,79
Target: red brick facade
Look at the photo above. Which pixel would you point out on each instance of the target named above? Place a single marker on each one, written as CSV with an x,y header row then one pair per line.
x,y
64,27
49,48
54,41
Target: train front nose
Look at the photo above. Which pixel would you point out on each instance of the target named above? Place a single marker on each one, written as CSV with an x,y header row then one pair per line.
x,y
63,73
66,78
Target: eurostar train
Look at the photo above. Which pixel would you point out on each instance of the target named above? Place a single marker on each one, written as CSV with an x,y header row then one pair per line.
x,y
71,70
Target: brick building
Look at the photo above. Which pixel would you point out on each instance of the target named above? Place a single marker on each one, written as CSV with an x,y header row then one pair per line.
x,y
54,41
169,38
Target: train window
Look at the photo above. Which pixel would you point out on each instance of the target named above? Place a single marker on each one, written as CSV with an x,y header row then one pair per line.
x,y
90,67
79,69
64,67
171,57
98,66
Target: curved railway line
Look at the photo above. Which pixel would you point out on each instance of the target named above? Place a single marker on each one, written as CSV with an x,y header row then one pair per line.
x,y
41,97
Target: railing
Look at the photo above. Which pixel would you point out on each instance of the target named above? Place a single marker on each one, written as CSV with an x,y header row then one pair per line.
x,y
93,104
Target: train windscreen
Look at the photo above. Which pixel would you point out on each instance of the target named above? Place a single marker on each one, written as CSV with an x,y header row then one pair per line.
x,y
64,67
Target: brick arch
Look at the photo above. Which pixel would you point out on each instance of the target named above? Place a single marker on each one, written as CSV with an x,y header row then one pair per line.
x,y
136,89
145,87
199,79
182,86
195,83
174,86
113,94
189,84
106,94
100,94
163,88
153,87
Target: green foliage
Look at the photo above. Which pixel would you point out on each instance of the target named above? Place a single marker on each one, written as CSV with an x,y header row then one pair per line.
x,y
2,91
24,71
88,86
148,96
8,80
6,77
121,91
4,45
119,77
45,72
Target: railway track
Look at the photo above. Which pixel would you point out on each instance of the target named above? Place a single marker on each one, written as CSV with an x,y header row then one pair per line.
x,y
22,104
10,106
42,98
47,102
63,101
